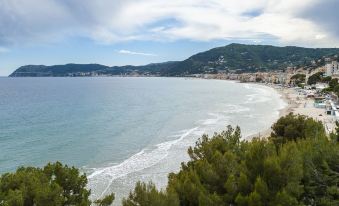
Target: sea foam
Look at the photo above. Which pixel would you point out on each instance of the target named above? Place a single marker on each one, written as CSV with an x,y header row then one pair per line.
x,y
101,179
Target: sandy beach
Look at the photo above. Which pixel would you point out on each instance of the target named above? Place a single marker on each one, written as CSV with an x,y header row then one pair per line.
x,y
298,103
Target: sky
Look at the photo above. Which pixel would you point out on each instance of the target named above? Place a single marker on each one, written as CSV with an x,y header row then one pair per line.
x,y
136,32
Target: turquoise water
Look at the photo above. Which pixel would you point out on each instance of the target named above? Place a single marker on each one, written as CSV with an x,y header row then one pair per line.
x,y
120,130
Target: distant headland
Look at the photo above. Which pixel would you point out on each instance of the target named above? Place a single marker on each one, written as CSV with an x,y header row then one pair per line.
x,y
230,59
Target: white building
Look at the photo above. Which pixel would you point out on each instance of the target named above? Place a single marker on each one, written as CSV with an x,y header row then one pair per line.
x,y
332,68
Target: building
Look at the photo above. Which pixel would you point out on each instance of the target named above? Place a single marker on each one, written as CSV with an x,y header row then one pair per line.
x,y
283,78
320,102
332,68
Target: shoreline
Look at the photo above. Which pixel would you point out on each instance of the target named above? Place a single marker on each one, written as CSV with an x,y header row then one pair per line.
x,y
156,172
297,103
291,105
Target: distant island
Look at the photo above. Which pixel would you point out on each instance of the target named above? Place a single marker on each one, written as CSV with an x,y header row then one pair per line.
x,y
233,58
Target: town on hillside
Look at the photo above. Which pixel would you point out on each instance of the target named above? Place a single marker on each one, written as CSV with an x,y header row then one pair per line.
x,y
311,92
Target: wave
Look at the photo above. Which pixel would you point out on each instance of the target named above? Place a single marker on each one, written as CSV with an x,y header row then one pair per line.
x,y
233,109
260,94
211,121
256,98
101,179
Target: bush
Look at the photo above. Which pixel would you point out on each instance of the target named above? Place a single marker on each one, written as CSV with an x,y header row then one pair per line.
x,y
53,185
298,79
294,127
106,201
313,79
333,83
326,79
147,195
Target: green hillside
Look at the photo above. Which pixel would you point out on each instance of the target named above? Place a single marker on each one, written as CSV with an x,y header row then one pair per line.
x,y
234,57
250,58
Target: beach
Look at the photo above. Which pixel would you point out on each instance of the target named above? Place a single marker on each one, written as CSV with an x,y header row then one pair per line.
x,y
298,103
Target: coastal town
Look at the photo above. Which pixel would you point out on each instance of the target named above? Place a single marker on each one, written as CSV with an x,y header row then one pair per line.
x,y
308,92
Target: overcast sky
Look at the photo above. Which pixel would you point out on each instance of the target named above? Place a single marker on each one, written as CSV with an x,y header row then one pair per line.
x,y
119,32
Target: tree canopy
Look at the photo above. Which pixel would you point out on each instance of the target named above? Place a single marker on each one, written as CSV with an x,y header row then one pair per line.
x,y
53,185
294,127
313,79
225,170
298,79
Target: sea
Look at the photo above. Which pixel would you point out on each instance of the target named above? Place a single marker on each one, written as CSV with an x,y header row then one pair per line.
x,y
120,130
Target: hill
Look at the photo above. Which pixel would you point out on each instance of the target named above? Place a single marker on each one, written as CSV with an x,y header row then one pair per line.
x,y
88,70
234,57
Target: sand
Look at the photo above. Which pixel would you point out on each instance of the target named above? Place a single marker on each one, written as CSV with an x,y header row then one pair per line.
x,y
299,104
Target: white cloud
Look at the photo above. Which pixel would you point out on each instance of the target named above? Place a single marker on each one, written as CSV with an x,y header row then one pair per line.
x,y
110,21
320,36
135,53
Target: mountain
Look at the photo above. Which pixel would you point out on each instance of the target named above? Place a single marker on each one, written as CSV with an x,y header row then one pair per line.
x,y
56,70
250,58
233,57
88,70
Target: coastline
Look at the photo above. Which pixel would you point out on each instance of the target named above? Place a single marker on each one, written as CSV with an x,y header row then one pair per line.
x,y
287,95
158,172
291,105
298,103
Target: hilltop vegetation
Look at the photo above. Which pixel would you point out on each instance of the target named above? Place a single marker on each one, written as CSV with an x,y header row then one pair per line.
x,y
87,70
251,58
234,57
297,165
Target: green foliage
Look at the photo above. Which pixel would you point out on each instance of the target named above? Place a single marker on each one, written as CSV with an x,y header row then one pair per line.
x,y
333,83
72,183
106,201
321,173
250,58
336,89
334,136
53,185
258,79
327,90
294,127
313,79
223,170
333,87
298,79
326,79
147,195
